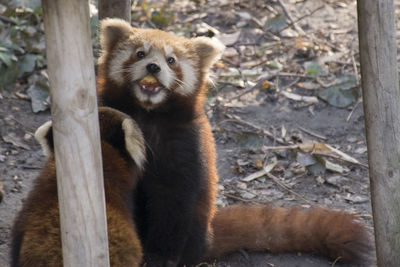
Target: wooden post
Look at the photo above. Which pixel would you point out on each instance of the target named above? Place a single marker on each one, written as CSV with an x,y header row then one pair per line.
x,y
378,52
115,9
76,133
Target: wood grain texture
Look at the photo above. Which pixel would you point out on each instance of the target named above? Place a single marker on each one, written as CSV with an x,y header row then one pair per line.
x,y
115,9
381,94
76,133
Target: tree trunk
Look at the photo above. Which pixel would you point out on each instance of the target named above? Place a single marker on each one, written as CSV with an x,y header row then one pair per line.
x,y
381,94
76,133
115,9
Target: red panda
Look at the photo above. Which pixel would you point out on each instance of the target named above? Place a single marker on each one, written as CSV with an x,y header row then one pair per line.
x,y
160,80
36,237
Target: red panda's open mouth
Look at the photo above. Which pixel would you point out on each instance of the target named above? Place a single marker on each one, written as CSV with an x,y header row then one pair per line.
x,y
151,89
150,85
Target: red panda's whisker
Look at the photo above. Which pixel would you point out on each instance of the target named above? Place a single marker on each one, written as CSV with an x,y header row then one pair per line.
x,y
181,83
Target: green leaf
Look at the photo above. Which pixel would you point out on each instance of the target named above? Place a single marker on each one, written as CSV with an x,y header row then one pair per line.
x,y
313,68
249,141
342,94
9,46
161,19
346,82
6,58
94,25
316,169
26,64
274,65
277,23
8,75
38,96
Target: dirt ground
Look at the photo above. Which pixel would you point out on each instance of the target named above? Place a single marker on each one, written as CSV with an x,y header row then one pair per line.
x,y
246,127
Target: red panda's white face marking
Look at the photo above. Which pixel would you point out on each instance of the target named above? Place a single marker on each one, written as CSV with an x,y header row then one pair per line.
x,y
116,72
169,51
178,64
131,64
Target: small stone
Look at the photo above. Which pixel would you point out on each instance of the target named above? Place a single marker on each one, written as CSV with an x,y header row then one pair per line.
x,y
320,180
361,150
27,137
336,180
351,139
248,195
241,185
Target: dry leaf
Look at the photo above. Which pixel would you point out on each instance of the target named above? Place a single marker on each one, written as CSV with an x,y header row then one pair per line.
x,y
296,97
13,139
254,176
265,84
229,39
283,132
327,150
356,199
334,167
259,163
260,173
319,149
309,85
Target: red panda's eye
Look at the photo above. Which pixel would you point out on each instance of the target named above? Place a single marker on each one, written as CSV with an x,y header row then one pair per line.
x,y
140,54
171,60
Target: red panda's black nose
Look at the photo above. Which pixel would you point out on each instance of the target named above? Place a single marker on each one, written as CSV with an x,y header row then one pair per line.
x,y
153,68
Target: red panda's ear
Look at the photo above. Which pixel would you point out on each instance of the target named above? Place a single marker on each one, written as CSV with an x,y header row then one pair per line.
x,y
112,31
209,50
122,132
44,135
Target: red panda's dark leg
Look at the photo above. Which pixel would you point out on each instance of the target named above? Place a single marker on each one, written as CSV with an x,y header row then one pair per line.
x,y
169,221
196,245
172,184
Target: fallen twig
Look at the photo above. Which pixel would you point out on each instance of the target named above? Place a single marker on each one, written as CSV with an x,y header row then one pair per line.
x,y
307,99
265,132
261,79
8,20
353,61
260,173
301,18
312,133
320,149
288,74
290,84
353,109
289,16
340,158
237,198
276,180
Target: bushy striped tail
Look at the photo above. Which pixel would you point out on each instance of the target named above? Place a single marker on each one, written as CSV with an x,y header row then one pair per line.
x,y
335,234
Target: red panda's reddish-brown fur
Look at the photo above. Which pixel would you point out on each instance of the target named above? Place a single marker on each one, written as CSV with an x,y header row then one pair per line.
x,y
36,232
335,234
174,202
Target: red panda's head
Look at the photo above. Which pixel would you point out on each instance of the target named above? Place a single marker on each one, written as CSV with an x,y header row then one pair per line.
x,y
153,64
